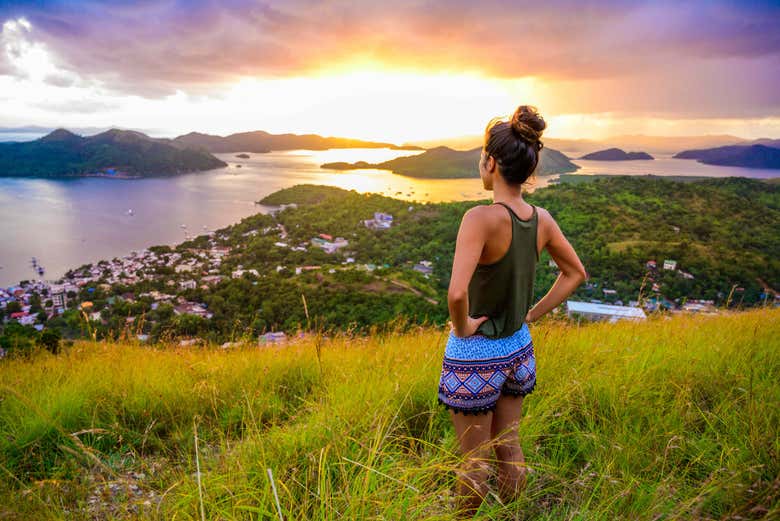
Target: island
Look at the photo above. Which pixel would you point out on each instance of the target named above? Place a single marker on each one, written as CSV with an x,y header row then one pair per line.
x,y
119,154
260,142
446,163
243,156
746,156
616,154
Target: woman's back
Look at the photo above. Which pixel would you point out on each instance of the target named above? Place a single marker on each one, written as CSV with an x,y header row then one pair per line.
x,y
503,288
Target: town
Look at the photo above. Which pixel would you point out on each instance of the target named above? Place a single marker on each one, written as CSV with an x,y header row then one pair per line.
x,y
180,280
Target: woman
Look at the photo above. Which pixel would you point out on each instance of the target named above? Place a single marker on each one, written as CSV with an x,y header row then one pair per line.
x,y
489,361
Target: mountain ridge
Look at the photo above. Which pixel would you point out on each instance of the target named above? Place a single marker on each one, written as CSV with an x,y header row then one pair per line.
x,y
260,141
114,153
748,156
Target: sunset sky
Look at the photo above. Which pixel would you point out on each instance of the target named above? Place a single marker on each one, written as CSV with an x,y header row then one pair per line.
x,y
397,71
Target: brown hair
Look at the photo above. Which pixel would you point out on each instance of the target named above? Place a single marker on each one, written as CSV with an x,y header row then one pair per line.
x,y
515,144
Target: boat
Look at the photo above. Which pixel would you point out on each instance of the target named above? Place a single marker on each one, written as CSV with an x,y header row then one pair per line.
x,y
182,226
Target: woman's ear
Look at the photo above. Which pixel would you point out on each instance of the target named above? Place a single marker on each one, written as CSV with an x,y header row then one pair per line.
x,y
491,164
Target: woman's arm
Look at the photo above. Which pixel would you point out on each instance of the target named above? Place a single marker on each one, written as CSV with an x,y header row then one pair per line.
x,y
572,271
468,249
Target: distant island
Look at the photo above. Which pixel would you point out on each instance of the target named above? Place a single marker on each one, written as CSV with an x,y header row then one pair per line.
x,y
243,156
121,154
261,142
446,163
750,156
616,154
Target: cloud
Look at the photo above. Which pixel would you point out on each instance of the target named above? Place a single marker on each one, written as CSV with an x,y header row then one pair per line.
x,y
153,48
77,106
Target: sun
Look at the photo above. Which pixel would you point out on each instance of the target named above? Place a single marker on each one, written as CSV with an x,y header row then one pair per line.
x,y
384,104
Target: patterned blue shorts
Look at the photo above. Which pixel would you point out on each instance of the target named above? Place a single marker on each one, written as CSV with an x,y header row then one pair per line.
x,y
477,369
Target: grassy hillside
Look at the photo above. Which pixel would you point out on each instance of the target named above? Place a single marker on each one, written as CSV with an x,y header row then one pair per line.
x,y
670,418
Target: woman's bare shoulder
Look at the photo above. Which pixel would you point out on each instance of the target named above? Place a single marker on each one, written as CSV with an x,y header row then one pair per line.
x,y
482,217
544,216
481,212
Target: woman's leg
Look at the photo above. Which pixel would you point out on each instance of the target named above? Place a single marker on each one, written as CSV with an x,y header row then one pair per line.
x,y
473,431
506,441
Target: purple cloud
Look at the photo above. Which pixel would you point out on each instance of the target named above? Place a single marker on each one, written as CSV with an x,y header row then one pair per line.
x,y
153,47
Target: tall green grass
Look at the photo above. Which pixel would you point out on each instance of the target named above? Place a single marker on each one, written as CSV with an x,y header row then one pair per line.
x,y
668,418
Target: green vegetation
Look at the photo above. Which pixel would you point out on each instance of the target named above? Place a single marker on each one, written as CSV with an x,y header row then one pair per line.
x,y
444,162
665,419
586,178
723,233
114,152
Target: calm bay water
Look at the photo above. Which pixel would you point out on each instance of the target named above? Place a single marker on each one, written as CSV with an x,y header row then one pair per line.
x,y
668,166
66,223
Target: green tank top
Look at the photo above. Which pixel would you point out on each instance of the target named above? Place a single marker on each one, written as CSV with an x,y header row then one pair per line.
x,y
504,290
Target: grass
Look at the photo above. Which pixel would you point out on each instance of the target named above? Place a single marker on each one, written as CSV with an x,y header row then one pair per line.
x,y
668,418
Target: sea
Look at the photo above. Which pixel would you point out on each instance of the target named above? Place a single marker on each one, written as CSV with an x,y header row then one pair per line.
x,y
65,223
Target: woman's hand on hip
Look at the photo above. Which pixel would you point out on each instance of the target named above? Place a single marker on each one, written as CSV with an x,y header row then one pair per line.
x,y
471,326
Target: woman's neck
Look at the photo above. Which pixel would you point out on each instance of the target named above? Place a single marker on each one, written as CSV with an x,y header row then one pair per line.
x,y
505,192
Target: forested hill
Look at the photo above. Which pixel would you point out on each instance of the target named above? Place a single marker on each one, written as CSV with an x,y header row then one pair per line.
x,y
117,153
723,234
748,156
444,162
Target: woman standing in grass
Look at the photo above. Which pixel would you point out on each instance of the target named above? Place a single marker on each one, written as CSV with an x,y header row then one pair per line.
x,y
489,360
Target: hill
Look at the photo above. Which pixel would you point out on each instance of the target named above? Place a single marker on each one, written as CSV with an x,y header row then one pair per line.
x,y
114,153
666,419
260,141
752,156
444,162
616,154
252,276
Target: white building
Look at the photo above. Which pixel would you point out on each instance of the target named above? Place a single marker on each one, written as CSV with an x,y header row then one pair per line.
x,y
670,264
272,337
59,297
188,284
607,312
381,221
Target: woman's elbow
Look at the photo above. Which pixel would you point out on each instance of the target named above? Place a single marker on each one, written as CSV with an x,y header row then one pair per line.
x,y
455,296
578,274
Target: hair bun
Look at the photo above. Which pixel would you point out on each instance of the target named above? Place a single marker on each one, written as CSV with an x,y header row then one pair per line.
x,y
528,124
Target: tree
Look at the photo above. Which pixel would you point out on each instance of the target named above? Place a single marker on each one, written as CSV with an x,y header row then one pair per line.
x,y
50,339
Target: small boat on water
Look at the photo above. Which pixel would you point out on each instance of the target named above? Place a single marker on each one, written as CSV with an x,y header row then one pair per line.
x,y
182,226
130,211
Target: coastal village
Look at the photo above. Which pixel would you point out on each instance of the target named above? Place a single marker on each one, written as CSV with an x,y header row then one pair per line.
x,y
35,301
187,270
